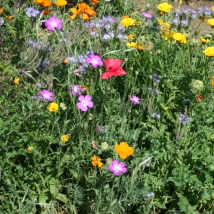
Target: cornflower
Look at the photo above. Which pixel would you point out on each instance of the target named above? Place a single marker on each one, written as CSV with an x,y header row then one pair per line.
x,y
31,12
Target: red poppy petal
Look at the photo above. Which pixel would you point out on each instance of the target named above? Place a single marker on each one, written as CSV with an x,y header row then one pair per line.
x,y
112,64
120,71
105,75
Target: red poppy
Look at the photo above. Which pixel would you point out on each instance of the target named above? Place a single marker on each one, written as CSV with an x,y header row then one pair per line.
x,y
113,68
199,98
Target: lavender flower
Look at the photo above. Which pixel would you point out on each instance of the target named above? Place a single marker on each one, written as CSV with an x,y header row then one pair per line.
x,y
184,23
31,12
193,15
150,194
38,85
156,115
76,90
121,36
156,77
183,118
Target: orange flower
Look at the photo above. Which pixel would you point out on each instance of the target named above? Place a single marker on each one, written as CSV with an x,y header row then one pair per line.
x,y
1,10
82,7
75,13
9,17
65,61
61,3
46,12
39,1
96,161
94,1
90,12
46,3
123,150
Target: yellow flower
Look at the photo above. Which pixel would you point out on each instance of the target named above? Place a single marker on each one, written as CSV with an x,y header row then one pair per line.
x,y
203,40
165,27
212,8
160,21
96,161
138,23
16,81
123,150
209,51
211,22
61,3
75,13
168,35
140,47
130,36
131,45
30,148
53,107
165,107
65,138
165,7
180,38
126,22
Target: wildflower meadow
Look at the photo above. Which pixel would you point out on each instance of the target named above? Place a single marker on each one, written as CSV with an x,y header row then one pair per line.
x,y
105,109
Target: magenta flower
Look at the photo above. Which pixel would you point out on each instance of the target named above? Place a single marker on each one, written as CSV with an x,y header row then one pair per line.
x,y
147,15
94,60
53,23
84,103
117,168
135,100
46,95
76,90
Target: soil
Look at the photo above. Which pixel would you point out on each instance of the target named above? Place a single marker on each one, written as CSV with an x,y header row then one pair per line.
x,y
193,4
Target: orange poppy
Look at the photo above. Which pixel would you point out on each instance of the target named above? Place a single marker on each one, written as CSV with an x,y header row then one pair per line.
x,y
39,1
1,10
94,1
9,17
46,3
61,3
65,61
75,13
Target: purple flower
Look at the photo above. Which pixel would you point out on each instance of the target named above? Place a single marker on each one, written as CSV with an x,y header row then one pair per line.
x,y
147,15
38,85
76,90
85,102
156,115
183,118
184,22
46,95
31,12
150,194
94,60
101,129
53,23
135,100
156,77
117,168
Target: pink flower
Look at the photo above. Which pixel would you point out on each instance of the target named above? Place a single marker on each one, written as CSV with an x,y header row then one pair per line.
x,y
53,23
46,95
94,60
135,99
147,15
113,68
84,103
117,168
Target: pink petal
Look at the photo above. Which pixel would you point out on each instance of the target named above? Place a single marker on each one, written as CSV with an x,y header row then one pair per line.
x,y
87,97
90,104
82,107
81,98
116,173
106,75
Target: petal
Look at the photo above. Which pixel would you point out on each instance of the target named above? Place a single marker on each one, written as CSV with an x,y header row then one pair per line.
x,y
124,145
100,164
124,170
81,98
117,148
116,173
120,71
129,151
82,107
123,155
105,75
90,104
113,63
87,97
